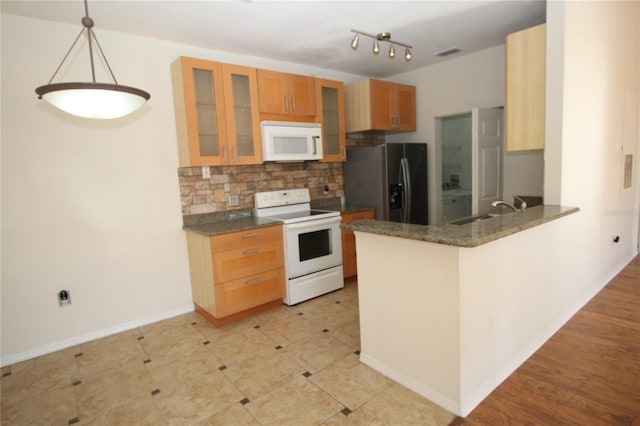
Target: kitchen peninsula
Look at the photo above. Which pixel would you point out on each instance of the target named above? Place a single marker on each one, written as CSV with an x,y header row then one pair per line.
x,y
449,311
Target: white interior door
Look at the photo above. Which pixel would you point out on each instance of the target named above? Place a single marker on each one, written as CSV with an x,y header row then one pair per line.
x,y
487,152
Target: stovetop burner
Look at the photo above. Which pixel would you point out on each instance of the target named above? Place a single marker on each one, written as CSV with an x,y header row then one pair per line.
x,y
289,206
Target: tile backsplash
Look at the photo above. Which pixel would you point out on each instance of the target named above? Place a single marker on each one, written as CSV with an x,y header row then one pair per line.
x,y
199,195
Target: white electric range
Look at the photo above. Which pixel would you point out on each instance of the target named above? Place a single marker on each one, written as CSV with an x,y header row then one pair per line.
x,y
312,243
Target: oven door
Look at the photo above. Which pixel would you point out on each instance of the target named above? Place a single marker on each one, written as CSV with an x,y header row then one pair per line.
x,y
312,246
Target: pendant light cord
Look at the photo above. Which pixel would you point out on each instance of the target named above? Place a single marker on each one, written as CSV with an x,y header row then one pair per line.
x,y
87,24
65,56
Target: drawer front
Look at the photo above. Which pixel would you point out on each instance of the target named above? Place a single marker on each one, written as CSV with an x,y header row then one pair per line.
x,y
246,239
352,217
249,260
248,292
349,263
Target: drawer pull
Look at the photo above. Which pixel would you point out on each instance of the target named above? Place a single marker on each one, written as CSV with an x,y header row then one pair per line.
x,y
252,251
253,281
253,234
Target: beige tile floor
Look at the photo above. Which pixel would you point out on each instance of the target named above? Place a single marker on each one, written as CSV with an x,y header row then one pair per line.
x,y
289,366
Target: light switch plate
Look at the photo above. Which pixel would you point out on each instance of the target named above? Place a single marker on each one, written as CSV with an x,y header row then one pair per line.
x,y
234,200
206,172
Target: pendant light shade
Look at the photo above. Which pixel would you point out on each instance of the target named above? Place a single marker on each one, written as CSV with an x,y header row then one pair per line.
x,y
92,99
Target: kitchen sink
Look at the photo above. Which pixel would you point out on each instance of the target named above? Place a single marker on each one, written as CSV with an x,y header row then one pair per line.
x,y
472,219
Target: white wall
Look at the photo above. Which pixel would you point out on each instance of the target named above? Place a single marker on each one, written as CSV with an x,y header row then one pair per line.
x,y
91,206
456,86
591,123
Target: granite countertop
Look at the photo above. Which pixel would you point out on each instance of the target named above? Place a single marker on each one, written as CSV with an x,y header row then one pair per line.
x,y
211,224
219,223
468,235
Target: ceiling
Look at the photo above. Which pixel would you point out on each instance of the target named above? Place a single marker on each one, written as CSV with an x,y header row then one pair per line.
x,y
314,33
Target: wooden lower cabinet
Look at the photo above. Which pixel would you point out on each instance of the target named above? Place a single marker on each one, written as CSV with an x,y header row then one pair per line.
x,y
236,274
248,292
349,264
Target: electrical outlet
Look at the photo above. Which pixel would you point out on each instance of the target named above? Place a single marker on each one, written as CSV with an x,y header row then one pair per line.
x,y
206,172
234,200
64,297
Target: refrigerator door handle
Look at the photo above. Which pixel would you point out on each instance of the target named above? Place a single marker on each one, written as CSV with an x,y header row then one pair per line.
x,y
406,207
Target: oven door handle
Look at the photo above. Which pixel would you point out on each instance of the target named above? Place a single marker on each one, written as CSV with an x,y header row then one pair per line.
x,y
314,222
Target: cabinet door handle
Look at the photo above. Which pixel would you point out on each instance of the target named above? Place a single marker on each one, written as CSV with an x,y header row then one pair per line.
x,y
253,281
286,104
234,154
252,251
224,154
293,103
251,235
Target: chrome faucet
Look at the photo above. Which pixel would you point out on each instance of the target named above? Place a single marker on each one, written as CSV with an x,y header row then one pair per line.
x,y
511,206
523,204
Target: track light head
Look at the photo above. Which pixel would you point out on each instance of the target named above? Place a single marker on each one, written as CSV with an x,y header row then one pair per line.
x,y
354,43
376,47
392,51
407,54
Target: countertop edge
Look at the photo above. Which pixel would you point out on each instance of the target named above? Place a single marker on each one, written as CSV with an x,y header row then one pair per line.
x,y
469,235
232,225
227,222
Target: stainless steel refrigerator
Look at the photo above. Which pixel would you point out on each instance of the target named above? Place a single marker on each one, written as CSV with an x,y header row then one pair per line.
x,y
390,177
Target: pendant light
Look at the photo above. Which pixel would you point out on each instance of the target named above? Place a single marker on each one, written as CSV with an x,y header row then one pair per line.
x,y
92,99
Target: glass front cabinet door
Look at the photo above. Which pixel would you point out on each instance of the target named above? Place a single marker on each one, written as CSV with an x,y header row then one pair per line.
x,y
216,113
243,115
330,112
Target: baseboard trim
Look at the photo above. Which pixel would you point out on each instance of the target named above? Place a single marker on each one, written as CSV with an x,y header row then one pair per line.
x,y
67,343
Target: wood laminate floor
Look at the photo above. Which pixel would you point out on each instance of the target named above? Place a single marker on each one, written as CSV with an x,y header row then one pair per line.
x,y
588,373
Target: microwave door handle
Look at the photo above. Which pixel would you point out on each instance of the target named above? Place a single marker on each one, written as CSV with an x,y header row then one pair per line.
x,y
315,144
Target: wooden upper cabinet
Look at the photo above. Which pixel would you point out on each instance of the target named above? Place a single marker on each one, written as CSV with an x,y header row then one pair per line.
x,y
243,117
200,115
525,78
286,94
330,112
380,105
217,117
406,104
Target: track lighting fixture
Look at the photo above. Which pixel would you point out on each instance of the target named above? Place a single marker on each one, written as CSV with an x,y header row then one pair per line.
x,y
91,99
385,36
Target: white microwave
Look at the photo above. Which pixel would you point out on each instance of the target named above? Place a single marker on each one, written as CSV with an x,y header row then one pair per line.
x,y
286,141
